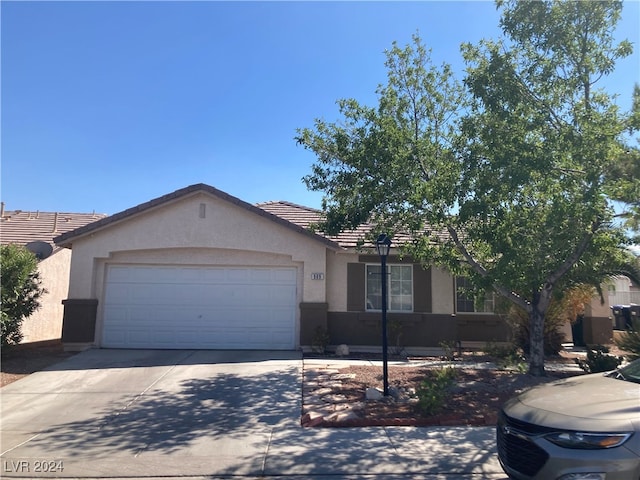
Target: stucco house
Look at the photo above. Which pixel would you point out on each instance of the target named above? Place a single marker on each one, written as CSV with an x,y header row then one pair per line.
x,y
37,229
198,268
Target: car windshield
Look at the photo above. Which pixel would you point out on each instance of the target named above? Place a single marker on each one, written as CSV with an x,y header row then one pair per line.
x,y
630,373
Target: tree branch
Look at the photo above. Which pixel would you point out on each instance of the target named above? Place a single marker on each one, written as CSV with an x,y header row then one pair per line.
x,y
575,256
480,270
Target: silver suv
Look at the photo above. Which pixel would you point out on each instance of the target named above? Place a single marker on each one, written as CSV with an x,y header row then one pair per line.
x,y
580,428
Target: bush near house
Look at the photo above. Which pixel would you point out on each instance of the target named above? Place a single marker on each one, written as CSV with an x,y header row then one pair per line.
x,y
599,360
565,307
630,341
320,340
433,391
21,290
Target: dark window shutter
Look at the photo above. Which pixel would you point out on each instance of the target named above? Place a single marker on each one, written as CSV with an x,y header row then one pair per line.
x,y
355,287
422,289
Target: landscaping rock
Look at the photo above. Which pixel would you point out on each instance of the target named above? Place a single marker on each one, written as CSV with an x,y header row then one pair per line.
x,y
342,350
335,396
373,394
311,420
323,391
344,376
394,392
343,416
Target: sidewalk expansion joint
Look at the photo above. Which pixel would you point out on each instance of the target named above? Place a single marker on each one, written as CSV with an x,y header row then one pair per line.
x,y
149,387
266,452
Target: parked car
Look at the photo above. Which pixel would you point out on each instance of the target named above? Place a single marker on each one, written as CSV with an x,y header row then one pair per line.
x,y
579,428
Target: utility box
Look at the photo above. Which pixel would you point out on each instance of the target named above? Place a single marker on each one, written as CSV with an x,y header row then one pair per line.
x,y
79,323
634,311
622,316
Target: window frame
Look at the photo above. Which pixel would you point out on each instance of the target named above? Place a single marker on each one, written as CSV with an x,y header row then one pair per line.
x,y
489,300
390,266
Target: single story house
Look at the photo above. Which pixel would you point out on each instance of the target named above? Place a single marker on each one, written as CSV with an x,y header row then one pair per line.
x,y
36,231
200,269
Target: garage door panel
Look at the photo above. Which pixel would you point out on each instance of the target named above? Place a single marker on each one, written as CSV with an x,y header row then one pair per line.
x,y
283,276
119,274
118,293
282,296
114,336
149,294
208,307
214,276
238,275
164,338
135,336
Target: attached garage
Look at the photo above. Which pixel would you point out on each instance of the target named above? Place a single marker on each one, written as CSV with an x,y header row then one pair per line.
x,y
154,306
193,269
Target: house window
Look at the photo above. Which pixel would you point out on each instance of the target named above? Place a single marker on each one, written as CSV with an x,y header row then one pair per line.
x,y
468,301
399,288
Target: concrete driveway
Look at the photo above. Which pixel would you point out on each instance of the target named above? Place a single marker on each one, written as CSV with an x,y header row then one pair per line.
x,y
179,413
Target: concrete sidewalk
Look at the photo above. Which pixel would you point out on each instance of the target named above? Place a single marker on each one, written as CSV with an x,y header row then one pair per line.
x,y
204,414
389,452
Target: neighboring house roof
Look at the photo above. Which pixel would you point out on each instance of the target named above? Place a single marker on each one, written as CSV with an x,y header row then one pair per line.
x,y
66,239
307,218
20,227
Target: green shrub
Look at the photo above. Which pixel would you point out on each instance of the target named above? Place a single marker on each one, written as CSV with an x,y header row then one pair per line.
x,y
501,351
320,340
21,289
432,392
395,333
450,350
508,357
629,341
599,360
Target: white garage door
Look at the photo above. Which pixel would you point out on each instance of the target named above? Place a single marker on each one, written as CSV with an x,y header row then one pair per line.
x,y
206,308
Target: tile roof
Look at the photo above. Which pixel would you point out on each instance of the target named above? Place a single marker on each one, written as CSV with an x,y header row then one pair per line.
x,y
20,227
308,217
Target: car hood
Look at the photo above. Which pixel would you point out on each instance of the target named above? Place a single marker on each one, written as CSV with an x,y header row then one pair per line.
x,y
588,402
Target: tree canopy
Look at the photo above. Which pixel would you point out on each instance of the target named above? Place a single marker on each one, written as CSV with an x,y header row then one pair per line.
x,y
505,176
624,174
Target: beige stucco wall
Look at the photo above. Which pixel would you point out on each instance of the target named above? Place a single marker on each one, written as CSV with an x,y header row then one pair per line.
x,y
597,308
337,279
46,322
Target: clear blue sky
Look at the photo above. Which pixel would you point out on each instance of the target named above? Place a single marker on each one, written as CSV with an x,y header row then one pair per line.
x,y
106,105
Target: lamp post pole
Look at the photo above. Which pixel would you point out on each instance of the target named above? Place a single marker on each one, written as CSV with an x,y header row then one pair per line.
x,y
385,369
383,245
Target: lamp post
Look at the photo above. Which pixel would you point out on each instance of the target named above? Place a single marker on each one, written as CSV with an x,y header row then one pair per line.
x,y
383,245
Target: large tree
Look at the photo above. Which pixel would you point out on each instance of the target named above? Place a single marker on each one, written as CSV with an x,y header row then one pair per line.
x,y
502,178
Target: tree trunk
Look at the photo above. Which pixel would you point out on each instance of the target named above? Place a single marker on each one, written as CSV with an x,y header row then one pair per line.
x,y
536,346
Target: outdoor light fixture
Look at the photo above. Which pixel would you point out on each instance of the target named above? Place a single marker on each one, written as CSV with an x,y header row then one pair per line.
x,y
383,245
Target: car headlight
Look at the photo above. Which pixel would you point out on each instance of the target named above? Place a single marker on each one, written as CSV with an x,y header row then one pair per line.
x,y
588,441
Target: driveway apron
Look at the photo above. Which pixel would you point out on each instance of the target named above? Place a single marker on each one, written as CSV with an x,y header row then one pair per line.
x,y
149,412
